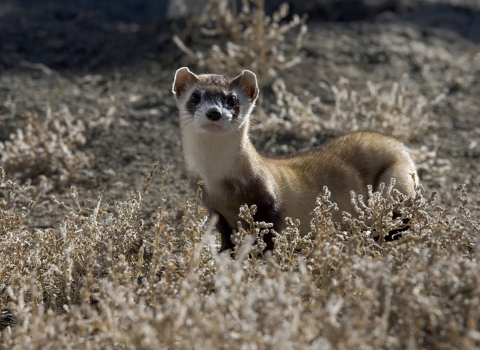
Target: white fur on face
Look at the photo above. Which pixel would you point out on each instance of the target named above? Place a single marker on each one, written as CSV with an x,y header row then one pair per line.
x,y
211,148
203,124
226,124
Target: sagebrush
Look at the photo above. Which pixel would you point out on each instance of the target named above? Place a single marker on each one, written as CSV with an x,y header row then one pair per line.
x,y
102,279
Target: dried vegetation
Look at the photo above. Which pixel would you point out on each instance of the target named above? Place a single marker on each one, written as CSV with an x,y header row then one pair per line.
x,y
250,39
49,147
105,279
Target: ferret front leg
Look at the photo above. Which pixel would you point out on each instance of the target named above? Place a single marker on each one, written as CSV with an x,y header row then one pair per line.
x,y
267,213
225,232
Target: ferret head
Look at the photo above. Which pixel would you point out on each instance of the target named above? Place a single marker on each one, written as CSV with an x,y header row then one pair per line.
x,y
212,103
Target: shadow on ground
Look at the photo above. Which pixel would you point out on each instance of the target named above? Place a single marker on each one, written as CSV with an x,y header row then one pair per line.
x,y
92,35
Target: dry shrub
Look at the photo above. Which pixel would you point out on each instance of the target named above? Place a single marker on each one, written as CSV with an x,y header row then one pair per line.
x,y
393,112
288,114
431,167
11,217
104,280
385,210
49,147
253,40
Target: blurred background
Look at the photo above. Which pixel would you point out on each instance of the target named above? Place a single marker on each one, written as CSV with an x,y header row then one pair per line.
x,y
90,33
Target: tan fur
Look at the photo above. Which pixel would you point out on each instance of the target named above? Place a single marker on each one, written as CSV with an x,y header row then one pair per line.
x,y
235,173
350,162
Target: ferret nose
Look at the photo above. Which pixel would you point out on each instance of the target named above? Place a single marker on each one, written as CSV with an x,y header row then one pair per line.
x,y
214,114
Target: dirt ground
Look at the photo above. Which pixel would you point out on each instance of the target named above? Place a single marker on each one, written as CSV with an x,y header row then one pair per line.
x,y
97,61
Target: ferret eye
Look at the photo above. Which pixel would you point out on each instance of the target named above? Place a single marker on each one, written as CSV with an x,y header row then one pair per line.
x,y
232,100
195,98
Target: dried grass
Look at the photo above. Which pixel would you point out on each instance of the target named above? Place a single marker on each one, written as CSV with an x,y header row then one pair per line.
x,y
102,279
49,147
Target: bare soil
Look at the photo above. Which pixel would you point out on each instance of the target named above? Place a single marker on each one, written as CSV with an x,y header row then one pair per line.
x,y
93,59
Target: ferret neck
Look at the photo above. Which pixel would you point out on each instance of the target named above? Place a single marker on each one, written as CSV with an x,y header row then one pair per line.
x,y
214,158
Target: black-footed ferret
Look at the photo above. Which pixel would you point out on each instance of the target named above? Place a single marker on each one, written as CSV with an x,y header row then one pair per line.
x,y
214,119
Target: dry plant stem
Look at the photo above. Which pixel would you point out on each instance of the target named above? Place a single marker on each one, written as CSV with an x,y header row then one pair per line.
x,y
184,48
254,40
393,112
326,289
49,147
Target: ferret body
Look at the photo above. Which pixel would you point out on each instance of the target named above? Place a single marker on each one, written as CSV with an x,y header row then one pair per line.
x,y
214,119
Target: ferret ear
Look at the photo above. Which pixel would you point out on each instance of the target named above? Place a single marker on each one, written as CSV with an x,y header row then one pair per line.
x,y
183,78
247,82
